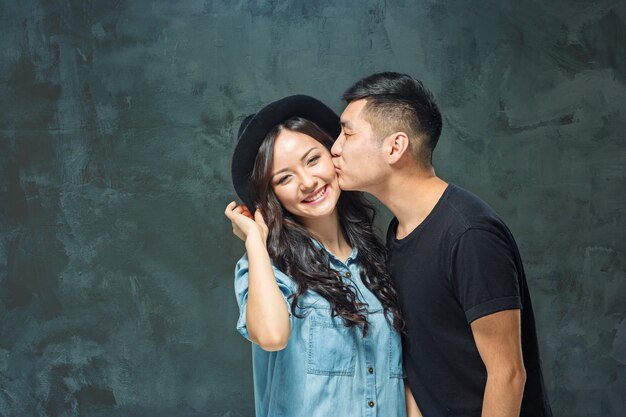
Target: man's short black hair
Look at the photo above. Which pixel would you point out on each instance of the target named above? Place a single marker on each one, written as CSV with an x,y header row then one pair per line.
x,y
398,102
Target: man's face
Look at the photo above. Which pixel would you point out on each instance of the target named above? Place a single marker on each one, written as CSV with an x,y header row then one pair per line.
x,y
357,154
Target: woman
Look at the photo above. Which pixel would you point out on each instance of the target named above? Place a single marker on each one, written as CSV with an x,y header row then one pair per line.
x,y
313,292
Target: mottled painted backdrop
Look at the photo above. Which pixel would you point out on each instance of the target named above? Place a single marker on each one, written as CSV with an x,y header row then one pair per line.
x,y
116,125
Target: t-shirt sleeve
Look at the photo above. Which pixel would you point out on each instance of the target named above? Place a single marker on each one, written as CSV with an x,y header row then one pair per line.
x,y
285,285
484,274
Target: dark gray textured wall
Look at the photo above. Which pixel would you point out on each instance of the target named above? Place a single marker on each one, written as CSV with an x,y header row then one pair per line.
x,y
116,124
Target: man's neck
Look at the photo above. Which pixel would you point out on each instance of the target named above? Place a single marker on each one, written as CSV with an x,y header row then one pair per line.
x,y
411,196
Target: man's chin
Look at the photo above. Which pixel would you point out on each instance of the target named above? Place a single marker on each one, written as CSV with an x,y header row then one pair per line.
x,y
345,186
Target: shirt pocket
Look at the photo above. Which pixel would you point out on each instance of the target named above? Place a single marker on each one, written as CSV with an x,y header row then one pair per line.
x,y
395,356
331,347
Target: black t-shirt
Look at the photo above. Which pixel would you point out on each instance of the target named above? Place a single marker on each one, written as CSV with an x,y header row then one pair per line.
x,y
460,264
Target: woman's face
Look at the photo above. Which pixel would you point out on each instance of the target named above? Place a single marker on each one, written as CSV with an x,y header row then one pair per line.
x,y
303,176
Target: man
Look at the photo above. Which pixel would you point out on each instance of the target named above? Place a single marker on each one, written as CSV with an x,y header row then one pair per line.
x,y
471,347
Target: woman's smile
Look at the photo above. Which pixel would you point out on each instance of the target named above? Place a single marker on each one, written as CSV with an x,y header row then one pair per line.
x,y
317,196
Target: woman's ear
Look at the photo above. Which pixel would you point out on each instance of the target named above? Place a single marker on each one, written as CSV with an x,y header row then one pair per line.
x,y
396,146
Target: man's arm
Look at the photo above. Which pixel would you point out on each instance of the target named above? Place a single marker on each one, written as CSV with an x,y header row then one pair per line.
x,y
412,410
498,338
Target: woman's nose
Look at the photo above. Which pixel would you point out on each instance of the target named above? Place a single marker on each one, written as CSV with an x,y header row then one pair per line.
x,y
308,183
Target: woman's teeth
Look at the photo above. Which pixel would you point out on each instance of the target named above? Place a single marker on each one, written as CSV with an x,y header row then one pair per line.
x,y
316,196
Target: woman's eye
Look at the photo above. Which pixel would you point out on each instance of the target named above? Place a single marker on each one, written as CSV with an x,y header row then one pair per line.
x,y
313,160
282,180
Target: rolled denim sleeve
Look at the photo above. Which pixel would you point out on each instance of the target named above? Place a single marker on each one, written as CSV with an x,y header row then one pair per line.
x,y
285,284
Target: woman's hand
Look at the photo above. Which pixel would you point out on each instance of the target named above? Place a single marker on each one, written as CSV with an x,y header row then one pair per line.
x,y
245,224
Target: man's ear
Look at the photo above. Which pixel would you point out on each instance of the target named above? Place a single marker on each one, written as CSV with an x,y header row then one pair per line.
x,y
396,146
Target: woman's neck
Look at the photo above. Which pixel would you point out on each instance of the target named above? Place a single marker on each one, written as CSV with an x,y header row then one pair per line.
x,y
328,231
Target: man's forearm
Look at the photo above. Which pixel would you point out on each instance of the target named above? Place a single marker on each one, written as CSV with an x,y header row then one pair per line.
x,y
498,339
503,394
412,410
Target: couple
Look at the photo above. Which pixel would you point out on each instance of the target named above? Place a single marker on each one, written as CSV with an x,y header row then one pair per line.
x,y
326,304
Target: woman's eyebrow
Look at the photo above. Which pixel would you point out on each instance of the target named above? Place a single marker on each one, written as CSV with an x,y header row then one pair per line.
x,y
302,159
307,153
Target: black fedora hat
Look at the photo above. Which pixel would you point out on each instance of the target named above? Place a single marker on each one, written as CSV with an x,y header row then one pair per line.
x,y
255,127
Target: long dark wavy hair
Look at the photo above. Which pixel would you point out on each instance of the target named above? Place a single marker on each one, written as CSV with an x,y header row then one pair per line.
x,y
291,246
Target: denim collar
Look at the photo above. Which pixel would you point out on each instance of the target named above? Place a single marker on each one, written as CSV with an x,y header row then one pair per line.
x,y
351,259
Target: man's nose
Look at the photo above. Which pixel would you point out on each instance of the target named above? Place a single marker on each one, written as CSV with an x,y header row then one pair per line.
x,y
336,149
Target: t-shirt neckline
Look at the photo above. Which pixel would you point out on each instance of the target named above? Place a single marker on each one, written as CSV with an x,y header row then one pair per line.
x,y
394,222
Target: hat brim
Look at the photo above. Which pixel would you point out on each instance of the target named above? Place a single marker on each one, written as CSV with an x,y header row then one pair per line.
x,y
260,124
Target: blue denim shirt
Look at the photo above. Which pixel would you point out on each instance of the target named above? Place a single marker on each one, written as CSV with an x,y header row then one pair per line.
x,y
327,369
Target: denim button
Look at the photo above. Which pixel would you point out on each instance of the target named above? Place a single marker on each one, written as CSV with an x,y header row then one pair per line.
x,y
370,370
348,274
371,404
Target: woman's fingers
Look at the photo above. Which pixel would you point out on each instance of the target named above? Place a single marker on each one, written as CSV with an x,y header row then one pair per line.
x,y
246,212
233,208
230,207
243,221
258,217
